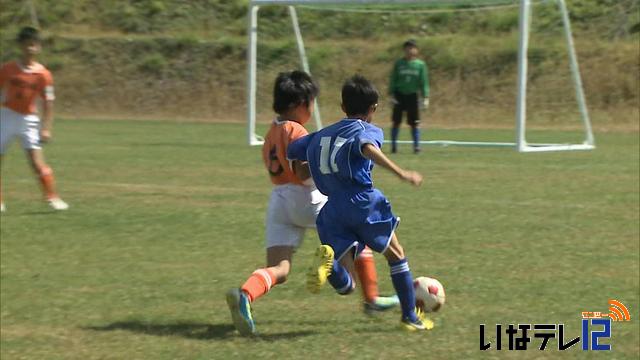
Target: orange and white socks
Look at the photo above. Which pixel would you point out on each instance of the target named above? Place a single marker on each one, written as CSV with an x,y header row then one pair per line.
x,y
367,275
48,184
259,283
262,280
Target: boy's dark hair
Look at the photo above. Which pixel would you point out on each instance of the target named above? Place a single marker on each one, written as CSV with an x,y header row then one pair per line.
x,y
293,88
410,43
358,95
28,33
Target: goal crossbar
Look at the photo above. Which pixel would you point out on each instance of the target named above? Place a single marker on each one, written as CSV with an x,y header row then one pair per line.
x,y
333,2
520,143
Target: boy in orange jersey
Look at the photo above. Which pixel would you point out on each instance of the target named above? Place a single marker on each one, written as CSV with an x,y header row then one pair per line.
x,y
22,82
293,206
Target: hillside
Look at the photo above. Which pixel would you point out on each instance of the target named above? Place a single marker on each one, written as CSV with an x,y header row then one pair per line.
x,y
186,60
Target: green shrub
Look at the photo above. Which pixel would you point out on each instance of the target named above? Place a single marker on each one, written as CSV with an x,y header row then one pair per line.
x,y
154,64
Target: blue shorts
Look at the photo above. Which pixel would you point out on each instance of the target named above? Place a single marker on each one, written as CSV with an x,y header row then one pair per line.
x,y
352,221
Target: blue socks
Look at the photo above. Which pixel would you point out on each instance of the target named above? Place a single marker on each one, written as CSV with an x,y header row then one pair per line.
x,y
403,284
394,137
340,279
401,277
415,133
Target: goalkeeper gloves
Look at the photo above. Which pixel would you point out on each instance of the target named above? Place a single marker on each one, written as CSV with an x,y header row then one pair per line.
x,y
425,104
393,101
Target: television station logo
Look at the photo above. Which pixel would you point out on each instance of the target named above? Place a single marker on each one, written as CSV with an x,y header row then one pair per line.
x,y
617,312
596,327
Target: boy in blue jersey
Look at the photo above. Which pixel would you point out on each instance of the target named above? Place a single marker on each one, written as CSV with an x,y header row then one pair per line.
x,y
340,159
293,207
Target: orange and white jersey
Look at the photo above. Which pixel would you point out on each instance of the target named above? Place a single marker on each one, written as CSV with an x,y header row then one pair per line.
x,y
293,206
22,86
274,151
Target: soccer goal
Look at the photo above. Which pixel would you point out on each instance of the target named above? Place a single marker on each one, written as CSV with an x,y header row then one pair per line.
x,y
358,29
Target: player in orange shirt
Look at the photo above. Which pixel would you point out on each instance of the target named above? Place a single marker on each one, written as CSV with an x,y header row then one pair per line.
x,y
294,205
22,83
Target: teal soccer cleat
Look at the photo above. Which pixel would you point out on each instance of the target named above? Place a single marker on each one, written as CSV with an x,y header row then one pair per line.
x,y
380,304
240,309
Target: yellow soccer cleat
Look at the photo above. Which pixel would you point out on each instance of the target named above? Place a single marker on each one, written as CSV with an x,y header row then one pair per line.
x,y
320,268
422,323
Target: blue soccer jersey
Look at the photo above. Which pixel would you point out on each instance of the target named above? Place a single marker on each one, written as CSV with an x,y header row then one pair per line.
x,y
335,156
356,214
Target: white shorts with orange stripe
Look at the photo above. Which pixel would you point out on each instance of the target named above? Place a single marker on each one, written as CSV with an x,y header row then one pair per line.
x,y
292,210
25,127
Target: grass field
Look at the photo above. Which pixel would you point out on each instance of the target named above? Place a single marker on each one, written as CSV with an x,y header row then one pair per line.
x,y
165,217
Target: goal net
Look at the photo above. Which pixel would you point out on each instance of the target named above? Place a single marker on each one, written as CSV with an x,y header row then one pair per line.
x,y
507,64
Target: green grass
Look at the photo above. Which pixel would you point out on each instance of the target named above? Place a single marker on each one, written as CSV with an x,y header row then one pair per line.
x,y
165,217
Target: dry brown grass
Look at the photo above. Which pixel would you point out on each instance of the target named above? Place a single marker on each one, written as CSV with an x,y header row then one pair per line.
x,y
110,85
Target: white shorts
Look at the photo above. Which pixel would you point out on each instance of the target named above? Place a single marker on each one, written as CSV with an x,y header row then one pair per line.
x,y
292,209
14,124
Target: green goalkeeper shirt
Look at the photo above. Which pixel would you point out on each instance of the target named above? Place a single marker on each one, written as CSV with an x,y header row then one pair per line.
x,y
409,77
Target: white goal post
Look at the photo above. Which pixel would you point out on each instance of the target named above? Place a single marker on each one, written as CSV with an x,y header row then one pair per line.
x,y
520,143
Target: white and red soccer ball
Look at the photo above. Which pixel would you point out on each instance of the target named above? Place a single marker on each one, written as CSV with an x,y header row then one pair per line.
x,y
429,294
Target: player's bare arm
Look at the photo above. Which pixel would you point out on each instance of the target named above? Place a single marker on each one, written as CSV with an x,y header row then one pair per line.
x,y
301,169
47,121
373,153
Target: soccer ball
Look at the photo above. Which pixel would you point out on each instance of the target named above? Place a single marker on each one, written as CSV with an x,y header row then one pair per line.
x,y
429,294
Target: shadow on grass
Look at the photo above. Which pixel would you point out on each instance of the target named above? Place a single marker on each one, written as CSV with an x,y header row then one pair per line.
x,y
176,145
33,213
38,213
191,330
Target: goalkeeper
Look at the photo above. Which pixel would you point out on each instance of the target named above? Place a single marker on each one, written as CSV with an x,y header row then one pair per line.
x,y
409,91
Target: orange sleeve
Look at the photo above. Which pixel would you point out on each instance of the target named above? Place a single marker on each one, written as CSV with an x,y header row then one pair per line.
x,y
48,78
3,75
297,132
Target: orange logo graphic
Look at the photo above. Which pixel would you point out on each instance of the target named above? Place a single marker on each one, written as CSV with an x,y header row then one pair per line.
x,y
617,312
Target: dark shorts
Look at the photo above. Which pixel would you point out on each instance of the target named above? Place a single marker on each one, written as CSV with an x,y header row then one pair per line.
x,y
408,103
355,221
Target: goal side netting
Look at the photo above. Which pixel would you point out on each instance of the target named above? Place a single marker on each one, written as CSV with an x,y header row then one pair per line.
x,y
492,64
